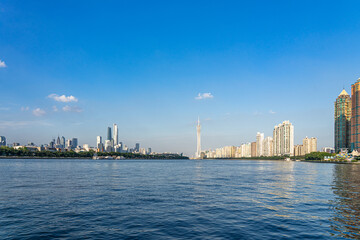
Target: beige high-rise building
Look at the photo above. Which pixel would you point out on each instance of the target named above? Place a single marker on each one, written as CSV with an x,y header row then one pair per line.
x,y
229,151
299,150
310,145
246,150
259,144
253,149
268,147
283,139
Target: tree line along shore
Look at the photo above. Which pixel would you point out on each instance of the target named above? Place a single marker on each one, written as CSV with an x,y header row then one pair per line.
x,y
7,152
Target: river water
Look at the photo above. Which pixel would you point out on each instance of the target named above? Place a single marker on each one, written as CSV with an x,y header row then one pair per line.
x,y
178,199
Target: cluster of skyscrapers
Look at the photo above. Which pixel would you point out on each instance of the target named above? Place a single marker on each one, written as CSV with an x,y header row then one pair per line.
x,y
347,121
112,144
62,143
280,144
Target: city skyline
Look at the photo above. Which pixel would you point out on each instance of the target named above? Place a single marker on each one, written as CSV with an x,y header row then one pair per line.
x,y
65,71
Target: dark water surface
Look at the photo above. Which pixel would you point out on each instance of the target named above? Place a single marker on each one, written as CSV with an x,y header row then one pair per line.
x,y
178,199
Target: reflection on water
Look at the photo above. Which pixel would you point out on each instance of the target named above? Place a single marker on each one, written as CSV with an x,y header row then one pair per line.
x,y
346,205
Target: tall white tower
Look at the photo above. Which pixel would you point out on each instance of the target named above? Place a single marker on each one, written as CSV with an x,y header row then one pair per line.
x,y
198,148
116,137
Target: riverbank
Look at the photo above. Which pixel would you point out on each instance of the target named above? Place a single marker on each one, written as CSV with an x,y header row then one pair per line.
x,y
102,158
325,161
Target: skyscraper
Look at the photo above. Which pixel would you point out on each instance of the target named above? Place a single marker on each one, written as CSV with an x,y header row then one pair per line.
x,y
137,147
108,146
74,143
2,141
198,132
116,137
355,116
259,144
109,134
342,118
253,149
283,139
63,141
268,147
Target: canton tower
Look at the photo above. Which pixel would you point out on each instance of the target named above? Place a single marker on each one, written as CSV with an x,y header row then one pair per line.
x,y
198,148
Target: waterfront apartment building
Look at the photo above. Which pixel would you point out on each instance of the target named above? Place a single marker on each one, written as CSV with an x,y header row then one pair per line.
x,y
355,116
253,149
342,121
268,147
246,150
2,141
259,144
283,139
299,150
309,145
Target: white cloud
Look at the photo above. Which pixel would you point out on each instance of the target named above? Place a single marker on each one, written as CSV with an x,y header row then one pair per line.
x,y
71,109
38,112
272,112
55,109
201,96
23,109
63,98
2,64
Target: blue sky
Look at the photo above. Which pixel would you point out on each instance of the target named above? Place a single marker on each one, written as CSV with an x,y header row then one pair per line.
x,y
141,64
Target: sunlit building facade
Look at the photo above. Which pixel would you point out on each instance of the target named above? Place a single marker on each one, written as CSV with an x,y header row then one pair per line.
x,y
342,121
309,145
355,116
268,147
259,144
283,139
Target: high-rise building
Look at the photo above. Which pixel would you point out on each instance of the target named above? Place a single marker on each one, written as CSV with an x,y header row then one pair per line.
x,y
253,149
137,147
63,141
99,144
268,147
116,135
68,143
109,134
283,139
58,141
2,141
74,143
342,118
108,146
355,116
98,140
309,145
259,144
198,135
299,150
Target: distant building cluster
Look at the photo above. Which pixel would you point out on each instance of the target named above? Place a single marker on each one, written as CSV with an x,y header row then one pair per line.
x,y
112,144
61,144
280,144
